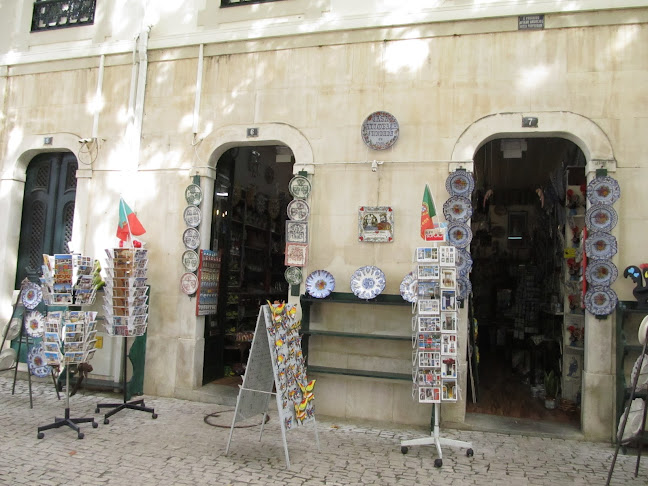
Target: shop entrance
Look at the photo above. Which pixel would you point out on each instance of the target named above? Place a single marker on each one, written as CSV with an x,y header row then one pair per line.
x,y
248,224
529,207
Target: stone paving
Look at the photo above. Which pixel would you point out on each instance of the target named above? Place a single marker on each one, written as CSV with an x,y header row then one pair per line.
x,y
180,447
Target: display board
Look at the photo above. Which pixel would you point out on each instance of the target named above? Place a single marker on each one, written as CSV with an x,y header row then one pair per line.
x,y
208,279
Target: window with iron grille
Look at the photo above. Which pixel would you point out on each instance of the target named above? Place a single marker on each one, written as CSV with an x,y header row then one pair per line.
x,y
233,3
60,14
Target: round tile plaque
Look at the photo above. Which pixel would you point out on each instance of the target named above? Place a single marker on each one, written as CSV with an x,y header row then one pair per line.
x,y
380,130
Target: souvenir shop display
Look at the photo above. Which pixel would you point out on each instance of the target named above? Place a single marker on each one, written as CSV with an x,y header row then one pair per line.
x,y
368,282
69,279
208,283
320,284
435,343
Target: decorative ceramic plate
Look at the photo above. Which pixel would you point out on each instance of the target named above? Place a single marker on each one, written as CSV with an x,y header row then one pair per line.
x,y
191,238
8,358
600,246
293,275
320,284
635,419
193,194
601,217
601,272
34,323
464,287
603,190
642,379
643,329
459,234
367,282
299,187
600,301
463,262
408,287
457,208
189,283
36,361
12,329
298,210
190,260
31,295
192,216
460,183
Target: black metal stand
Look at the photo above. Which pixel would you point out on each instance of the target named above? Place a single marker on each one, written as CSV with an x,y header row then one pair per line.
x,y
20,336
67,421
133,404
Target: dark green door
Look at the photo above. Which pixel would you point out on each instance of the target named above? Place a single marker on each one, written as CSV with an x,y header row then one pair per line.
x,y
48,211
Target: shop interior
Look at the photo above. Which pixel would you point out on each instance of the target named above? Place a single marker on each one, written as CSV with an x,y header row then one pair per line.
x,y
527,220
248,225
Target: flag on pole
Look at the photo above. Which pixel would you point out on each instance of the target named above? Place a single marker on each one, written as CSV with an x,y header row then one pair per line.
x,y
427,211
129,225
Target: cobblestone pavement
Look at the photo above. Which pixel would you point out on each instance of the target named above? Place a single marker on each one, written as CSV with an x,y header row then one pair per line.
x,y
180,448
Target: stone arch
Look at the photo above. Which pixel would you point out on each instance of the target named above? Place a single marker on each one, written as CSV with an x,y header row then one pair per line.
x,y
578,129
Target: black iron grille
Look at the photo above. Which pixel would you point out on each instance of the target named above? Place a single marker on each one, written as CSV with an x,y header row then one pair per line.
x,y
60,14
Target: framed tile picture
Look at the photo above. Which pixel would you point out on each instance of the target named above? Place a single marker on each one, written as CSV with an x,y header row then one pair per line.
x,y
296,232
376,224
296,255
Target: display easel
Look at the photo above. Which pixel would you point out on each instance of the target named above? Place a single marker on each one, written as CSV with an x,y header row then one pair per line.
x,y
260,377
130,405
639,438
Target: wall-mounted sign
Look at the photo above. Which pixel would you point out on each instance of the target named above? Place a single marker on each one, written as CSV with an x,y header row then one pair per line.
x,y
531,22
380,130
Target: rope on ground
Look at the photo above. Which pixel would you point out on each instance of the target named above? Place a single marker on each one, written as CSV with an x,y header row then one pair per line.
x,y
217,414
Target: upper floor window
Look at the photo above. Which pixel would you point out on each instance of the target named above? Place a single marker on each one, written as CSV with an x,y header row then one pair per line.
x,y
232,3
59,14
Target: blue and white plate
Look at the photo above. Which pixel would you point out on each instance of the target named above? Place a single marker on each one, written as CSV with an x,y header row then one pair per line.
x,y
408,287
600,246
601,301
368,282
457,209
601,272
460,183
464,262
37,364
459,234
601,217
603,190
320,284
464,287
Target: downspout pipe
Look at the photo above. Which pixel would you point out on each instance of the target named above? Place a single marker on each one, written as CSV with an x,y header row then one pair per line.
x,y
199,76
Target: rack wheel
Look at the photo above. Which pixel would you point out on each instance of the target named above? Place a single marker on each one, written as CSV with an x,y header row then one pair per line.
x,y
404,449
470,453
97,410
438,463
95,425
154,415
106,421
40,435
80,436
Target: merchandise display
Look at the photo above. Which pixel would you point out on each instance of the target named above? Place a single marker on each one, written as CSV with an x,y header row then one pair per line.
x,y
367,282
69,279
320,284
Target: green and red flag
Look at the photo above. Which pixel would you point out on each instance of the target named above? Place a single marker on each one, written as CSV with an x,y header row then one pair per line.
x,y
427,211
129,225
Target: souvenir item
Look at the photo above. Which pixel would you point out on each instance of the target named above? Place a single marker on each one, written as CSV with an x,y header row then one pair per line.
x,y
600,301
188,283
296,255
367,282
635,419
193,194
408,287
191,238
460,183
299,187
643,328
464,287
320,284
600,246
34,323
376,224
457,209
601,272
459,234
603,190
642,379
293,275
192,216
31,295
8,358
298,210
601,217
464,262
36,361
12,329
380,130
296,232
190,260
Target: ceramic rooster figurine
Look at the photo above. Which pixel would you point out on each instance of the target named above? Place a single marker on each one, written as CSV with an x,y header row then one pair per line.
x,y
639,275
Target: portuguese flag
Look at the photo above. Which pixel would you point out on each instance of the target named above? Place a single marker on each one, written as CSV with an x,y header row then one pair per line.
x,y
427,211
129,225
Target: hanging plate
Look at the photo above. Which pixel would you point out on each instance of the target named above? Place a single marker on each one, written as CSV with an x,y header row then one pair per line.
x,y
299,187
457,209
408,287
601,272
635,419
36,361
293,275
459,234
601,217
464,287
460,183
642,379
8,358
192,216
31,295
600,301
34,323
603,190
464,262
298,210
193,194
189,283
12,329
320,284
191,238
600,246
190,260
367,282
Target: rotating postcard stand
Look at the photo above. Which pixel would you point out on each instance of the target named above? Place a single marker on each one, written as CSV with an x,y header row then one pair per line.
x,y
276,360
126,306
